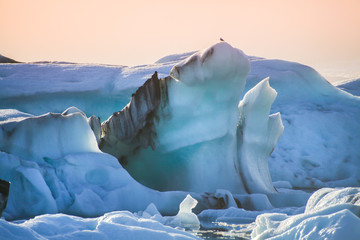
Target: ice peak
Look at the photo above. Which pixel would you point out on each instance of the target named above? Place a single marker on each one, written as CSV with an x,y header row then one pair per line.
x,y
221,59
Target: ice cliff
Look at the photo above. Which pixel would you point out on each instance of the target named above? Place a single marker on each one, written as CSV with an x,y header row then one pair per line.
x,y
188,131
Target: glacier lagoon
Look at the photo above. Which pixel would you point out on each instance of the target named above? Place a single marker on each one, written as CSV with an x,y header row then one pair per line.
x,y
73,176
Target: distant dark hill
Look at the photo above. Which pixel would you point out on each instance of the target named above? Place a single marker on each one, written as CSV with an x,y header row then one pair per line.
x,y
6,60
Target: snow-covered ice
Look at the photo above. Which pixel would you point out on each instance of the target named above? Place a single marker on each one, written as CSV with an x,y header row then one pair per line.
x,y
114,225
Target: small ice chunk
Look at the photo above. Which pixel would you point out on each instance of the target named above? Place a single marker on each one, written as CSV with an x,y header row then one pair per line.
x,y
186,216
150,211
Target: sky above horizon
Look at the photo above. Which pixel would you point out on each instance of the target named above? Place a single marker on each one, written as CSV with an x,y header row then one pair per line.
x,y
321,33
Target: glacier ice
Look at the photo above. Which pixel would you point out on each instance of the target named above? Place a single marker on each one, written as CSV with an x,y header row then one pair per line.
x,y
175,126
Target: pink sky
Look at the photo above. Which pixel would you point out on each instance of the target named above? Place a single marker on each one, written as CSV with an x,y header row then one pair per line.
x,y
317,33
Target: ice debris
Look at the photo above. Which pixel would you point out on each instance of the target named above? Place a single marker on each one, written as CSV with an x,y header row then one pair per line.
x,y
329,214
185,215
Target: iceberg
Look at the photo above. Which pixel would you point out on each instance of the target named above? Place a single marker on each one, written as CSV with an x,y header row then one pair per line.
x,y
311,108
175,126
55,162
170,129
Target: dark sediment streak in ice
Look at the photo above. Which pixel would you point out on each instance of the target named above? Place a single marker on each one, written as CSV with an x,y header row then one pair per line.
x,y
134,124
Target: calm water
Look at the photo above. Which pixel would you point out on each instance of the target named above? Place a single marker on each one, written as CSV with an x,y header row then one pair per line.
x,y
224,231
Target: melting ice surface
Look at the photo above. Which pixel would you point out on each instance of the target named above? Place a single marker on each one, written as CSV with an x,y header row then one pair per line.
x,y
56,157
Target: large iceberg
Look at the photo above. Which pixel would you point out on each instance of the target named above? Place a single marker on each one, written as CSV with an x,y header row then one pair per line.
x,y
174,127
311,108
171,128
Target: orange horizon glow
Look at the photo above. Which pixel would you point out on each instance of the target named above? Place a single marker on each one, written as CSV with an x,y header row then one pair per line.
x,y
140,32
